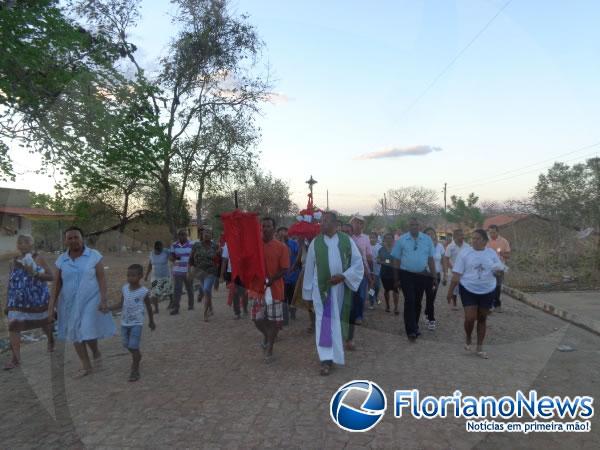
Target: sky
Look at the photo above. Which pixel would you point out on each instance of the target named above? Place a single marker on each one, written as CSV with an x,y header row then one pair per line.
x,y
479,94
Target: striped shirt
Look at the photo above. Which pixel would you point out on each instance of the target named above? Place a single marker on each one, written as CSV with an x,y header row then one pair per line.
x,y
182,254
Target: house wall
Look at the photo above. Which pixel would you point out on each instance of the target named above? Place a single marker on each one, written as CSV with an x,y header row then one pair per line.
x,y
15,198
10,228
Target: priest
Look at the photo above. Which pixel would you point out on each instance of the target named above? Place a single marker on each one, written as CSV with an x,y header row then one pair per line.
x,y
333,269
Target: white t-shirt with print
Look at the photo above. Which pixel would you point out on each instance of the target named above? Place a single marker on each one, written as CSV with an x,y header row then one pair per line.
x,y
477,269
133,306
453,250
225,254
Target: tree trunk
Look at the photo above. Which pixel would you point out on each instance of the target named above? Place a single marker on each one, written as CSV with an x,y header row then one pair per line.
x,y
199,204
169,213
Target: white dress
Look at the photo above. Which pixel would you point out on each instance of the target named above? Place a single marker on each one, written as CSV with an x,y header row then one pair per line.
x,y
310,292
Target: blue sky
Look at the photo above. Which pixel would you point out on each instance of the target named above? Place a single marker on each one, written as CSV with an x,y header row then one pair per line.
x,y
524,92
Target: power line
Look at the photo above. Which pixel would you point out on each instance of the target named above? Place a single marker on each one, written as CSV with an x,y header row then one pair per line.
x,y
487,179
468,187
453,61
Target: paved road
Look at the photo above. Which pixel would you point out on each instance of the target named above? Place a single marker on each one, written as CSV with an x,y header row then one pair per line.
x,y
206,385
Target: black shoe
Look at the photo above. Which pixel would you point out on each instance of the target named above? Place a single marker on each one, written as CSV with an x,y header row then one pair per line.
x,y
412,337
190,308
174,312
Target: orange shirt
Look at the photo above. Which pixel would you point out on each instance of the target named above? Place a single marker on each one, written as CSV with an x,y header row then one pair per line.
x,y
500,246
277,258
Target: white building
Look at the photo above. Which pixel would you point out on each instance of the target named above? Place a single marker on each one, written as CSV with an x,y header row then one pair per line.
x,y
16,215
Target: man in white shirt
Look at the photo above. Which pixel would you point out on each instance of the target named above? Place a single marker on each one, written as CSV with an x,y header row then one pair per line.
x,y
457,245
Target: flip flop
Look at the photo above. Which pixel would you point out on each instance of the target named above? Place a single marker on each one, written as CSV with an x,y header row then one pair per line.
x,y
81,373
10,365
483,355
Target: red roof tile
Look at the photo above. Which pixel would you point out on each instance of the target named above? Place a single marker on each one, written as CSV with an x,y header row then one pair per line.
x,y
38,212
503,219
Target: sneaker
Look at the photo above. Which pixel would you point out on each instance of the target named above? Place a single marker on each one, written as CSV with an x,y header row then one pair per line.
x,y
498,309
371,307
237,317
358,322
174,312
431,325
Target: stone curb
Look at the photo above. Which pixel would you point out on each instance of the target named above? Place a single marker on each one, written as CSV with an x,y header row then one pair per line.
x,y
582,322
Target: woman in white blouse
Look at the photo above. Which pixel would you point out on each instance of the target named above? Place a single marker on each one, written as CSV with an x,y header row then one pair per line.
x,y
475,273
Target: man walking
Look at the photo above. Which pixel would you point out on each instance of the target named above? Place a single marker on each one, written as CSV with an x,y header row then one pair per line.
x,y
413,254
267,310
291,277
333,269
501,246
180,255
457,245
364,247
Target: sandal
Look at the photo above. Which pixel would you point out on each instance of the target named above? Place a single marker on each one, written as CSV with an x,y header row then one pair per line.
x,y
134,375
10,365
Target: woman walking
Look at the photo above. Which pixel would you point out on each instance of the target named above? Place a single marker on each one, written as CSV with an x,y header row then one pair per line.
x,y
387,273
432,288
27,299
79,296
205,266
475,273
158,266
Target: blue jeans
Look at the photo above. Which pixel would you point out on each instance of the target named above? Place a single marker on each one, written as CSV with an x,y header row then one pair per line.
x,y
131,336
376,286
207,285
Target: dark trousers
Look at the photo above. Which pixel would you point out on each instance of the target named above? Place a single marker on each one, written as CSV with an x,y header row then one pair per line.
x,y
180,281
430,294
289,311
239,297
499,280
358,303
413,287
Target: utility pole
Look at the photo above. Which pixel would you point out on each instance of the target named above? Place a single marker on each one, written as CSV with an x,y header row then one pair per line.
x,y
327,199
445,192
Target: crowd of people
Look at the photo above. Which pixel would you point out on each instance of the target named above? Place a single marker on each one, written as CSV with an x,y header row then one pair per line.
x,y
332,277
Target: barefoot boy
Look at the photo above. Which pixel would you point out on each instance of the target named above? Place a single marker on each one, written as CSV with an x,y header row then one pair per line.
x,y
134,298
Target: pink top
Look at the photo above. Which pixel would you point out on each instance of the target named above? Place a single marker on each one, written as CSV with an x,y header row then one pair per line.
x,y
364,246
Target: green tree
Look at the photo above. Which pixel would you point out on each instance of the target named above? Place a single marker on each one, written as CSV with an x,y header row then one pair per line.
x,y
205,77
51,73
571,196
465,212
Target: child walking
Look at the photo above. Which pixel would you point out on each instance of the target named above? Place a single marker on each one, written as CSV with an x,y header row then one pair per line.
x,y
134,298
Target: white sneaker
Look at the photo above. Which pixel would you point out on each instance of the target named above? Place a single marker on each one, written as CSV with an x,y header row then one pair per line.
x,y
431,325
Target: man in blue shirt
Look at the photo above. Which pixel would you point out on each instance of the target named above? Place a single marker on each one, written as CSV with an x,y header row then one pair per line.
x,y
413,255
291,277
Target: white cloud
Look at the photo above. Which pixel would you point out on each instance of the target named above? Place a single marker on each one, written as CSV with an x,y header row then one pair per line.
x,y
277,98
397,152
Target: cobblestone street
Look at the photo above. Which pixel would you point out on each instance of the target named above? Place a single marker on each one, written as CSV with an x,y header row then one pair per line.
x,y
206,385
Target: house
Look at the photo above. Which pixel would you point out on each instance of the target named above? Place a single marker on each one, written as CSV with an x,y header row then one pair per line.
x,y
16,216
